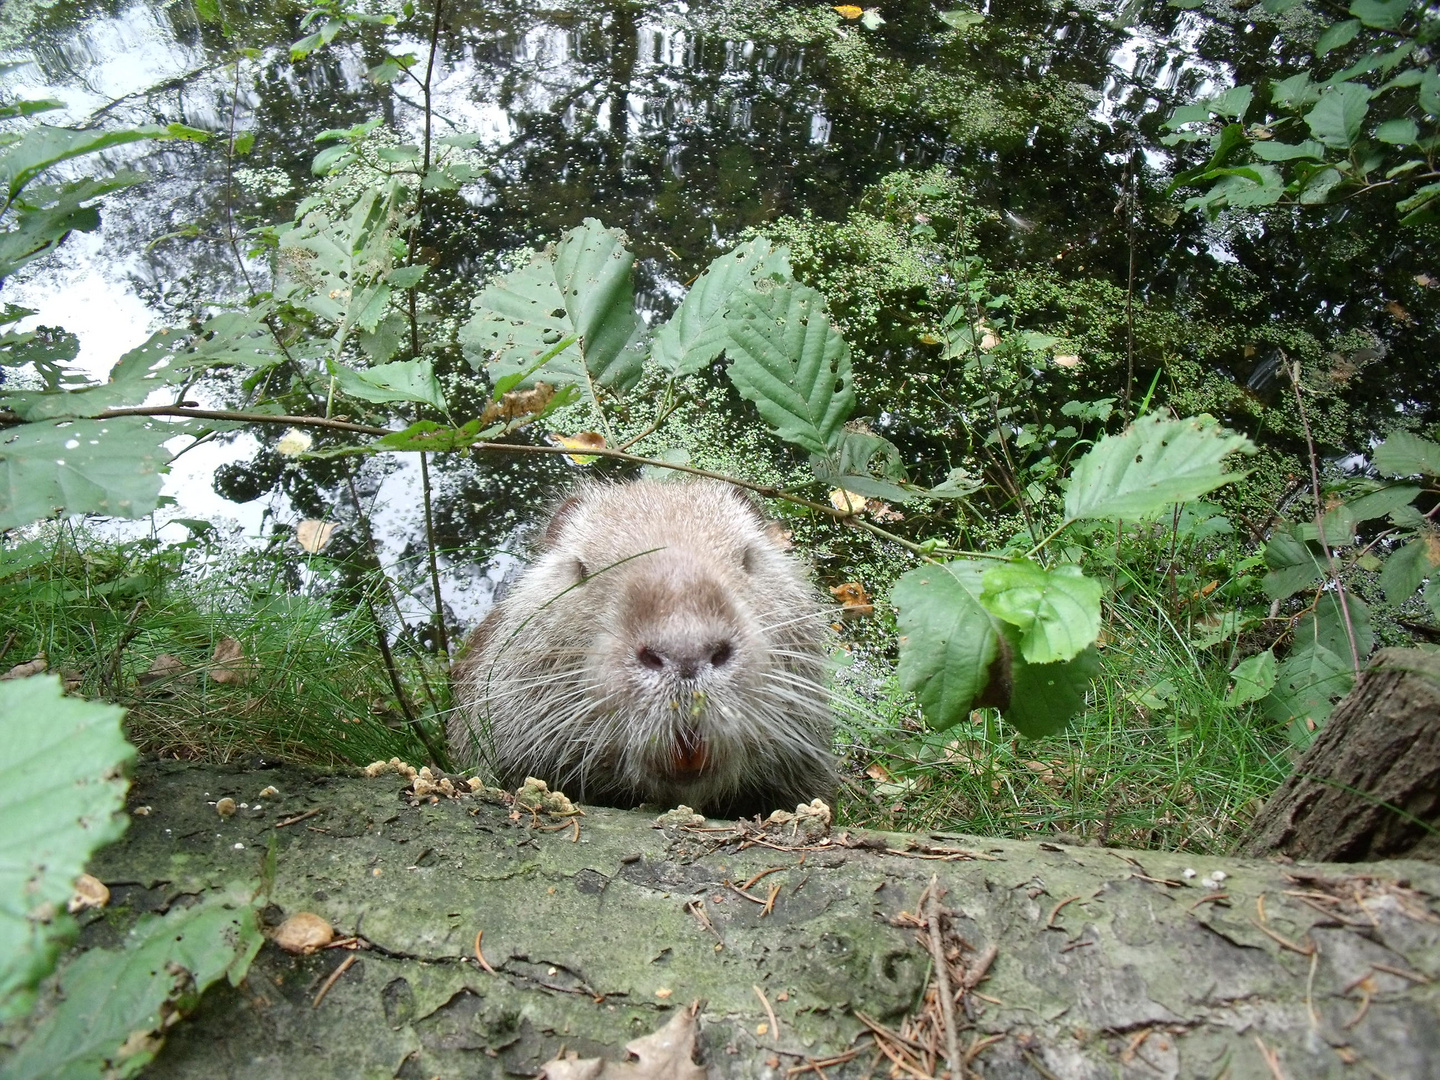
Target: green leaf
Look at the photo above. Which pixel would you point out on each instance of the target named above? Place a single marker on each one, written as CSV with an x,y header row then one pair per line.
x,y
137,373
1429,94
1406,570
81,467
789,360
1270,150
1307,685
428,435
1382,502
1420,207
1296,92
406,277
109,998
696,334
51,213
1325,625
1380,14
583,292
1255,185
1336,35
961,19
1339,115
1234,102
1317,188
399,380
1056,611
1156,463
1400,132
1403,454
235,337
1254,679
1044,697
1293,566
948,642
63,796
42,147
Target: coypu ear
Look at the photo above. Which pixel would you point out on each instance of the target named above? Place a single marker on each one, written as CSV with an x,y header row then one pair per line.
x,y
556,523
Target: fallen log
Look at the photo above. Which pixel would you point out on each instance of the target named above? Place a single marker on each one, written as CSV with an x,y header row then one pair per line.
x,y
482,940
1368,787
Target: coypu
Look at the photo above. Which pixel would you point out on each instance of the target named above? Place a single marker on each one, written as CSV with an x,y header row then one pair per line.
x,y
662,648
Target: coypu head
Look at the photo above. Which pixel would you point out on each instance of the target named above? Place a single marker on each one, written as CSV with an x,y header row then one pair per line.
x,y
663,648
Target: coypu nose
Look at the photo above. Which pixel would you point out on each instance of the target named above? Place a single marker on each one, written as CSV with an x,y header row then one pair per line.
x,y
686,662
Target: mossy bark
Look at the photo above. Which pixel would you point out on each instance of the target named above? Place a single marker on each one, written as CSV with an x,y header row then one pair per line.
x,y
1368,787
1108,963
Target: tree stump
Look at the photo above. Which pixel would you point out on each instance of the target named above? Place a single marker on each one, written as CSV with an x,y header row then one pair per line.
x,y
1369,785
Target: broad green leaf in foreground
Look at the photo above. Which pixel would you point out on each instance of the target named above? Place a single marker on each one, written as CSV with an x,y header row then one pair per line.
x,y
1254,678
399,380
1406,570
1156,463
1337,118
116,1004
81,467
1307,686
948,641
1403,454
1057,611
1293,566
792,363
583,291
1044,697
695,335
145,368
61,793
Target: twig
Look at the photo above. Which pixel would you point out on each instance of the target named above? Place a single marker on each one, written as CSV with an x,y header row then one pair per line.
x,y
343,967
1050,922
1282,940
299,817
774,1024
480,956
816,1064
762,873
770,901
942,976
1272,1059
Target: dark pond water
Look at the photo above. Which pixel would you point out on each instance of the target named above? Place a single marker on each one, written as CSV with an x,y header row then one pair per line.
x,y
686,125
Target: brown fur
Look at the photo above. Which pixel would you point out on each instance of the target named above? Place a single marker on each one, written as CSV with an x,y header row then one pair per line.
x,y
661,648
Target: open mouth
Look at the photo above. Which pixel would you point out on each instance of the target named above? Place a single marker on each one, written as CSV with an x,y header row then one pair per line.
x,y
689,756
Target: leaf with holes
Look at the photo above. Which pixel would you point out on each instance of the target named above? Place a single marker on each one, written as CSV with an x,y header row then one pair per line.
x,y
115,1005
399,380
792,363
1056,611
1150,467
63,795
948,641
1307,685
583,291
81,467
696,334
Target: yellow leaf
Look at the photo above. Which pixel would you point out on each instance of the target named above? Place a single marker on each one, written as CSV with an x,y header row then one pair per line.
x,y
313,535
850,11
584,440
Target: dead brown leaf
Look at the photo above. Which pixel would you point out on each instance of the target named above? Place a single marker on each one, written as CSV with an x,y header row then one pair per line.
x,y
855,602
25,670
228,663
163,668
666,1054
518,404
313,535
